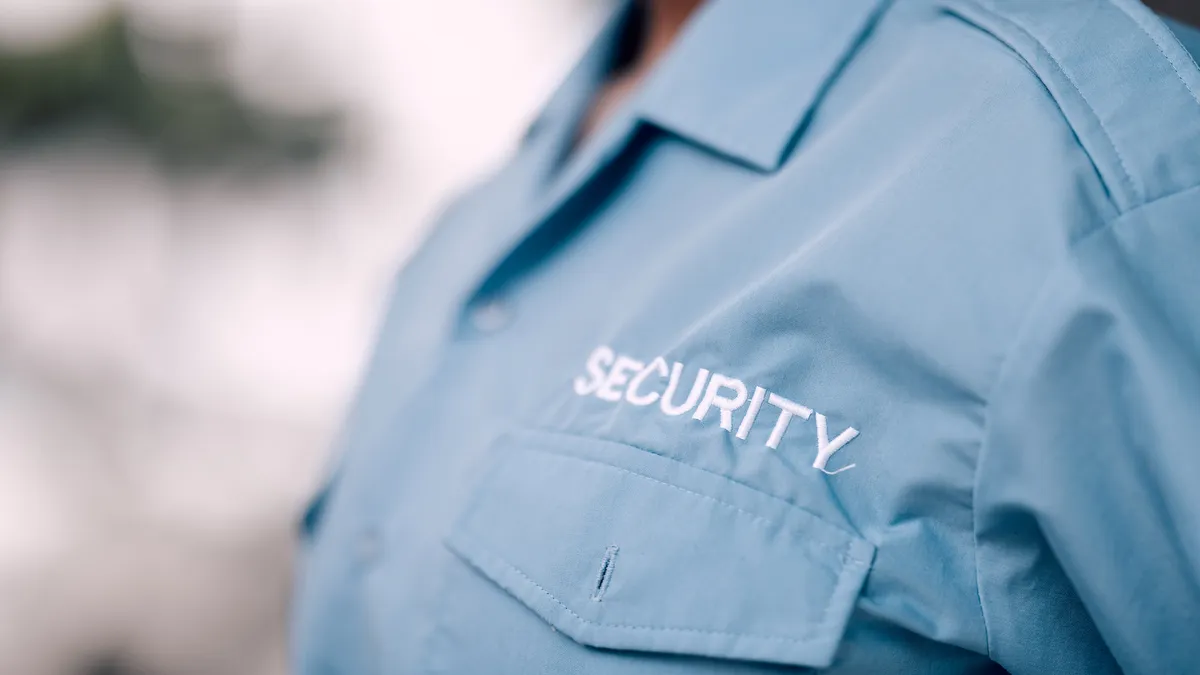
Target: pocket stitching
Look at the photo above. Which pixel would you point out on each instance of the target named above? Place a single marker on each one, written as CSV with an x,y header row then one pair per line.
x,y
580,438
843,553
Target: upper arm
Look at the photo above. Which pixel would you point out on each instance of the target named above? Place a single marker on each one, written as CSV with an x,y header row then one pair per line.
x,y
1093,446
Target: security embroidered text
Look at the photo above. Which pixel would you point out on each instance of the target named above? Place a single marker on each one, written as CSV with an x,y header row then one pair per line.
x,y
613,377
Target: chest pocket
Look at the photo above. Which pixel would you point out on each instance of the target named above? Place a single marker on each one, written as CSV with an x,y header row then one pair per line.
x,y
622,549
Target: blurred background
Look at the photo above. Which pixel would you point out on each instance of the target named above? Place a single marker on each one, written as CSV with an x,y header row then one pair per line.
x,y
201,202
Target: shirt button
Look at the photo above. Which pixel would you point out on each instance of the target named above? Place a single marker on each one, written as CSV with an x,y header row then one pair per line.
x,y
368,548
491,316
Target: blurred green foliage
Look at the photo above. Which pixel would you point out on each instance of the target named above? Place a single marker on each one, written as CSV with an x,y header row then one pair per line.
x,y
94,83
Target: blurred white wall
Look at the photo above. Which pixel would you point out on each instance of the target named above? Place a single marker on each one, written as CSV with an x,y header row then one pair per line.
x,y
176,353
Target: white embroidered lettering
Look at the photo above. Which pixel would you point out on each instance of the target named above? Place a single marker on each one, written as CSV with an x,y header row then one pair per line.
x,y
693,396
617,377
600,358
658,365
786,410
725,404
825,448
756,402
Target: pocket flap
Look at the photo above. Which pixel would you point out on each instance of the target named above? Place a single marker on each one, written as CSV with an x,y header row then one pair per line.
x,y
620,548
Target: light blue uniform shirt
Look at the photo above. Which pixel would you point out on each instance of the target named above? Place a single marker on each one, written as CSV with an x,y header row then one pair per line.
x,y
863,339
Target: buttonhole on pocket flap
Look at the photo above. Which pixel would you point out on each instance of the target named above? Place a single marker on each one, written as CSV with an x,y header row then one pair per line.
x,y
604,576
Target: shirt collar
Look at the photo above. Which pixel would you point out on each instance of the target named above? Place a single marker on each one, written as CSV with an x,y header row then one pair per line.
x,y
743,76
740,79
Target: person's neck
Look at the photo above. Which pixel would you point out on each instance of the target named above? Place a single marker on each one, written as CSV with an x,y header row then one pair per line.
x,y
662,23
659,25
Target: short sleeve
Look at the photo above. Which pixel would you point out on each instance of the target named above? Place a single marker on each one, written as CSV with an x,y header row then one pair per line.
x,y
1087,497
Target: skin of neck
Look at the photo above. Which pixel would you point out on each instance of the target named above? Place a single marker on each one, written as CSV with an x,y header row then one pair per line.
x,y
661,22
664,20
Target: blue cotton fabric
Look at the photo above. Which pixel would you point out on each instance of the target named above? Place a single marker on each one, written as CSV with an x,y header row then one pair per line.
x,y
865,338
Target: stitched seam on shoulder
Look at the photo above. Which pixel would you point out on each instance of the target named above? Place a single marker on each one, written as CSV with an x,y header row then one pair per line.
x,y
1027,319
1162,50
842,552
1127,176
807,638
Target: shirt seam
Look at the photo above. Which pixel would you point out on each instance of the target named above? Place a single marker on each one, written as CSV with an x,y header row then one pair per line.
x,y
1161,49
1126,174
845,555
847,530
